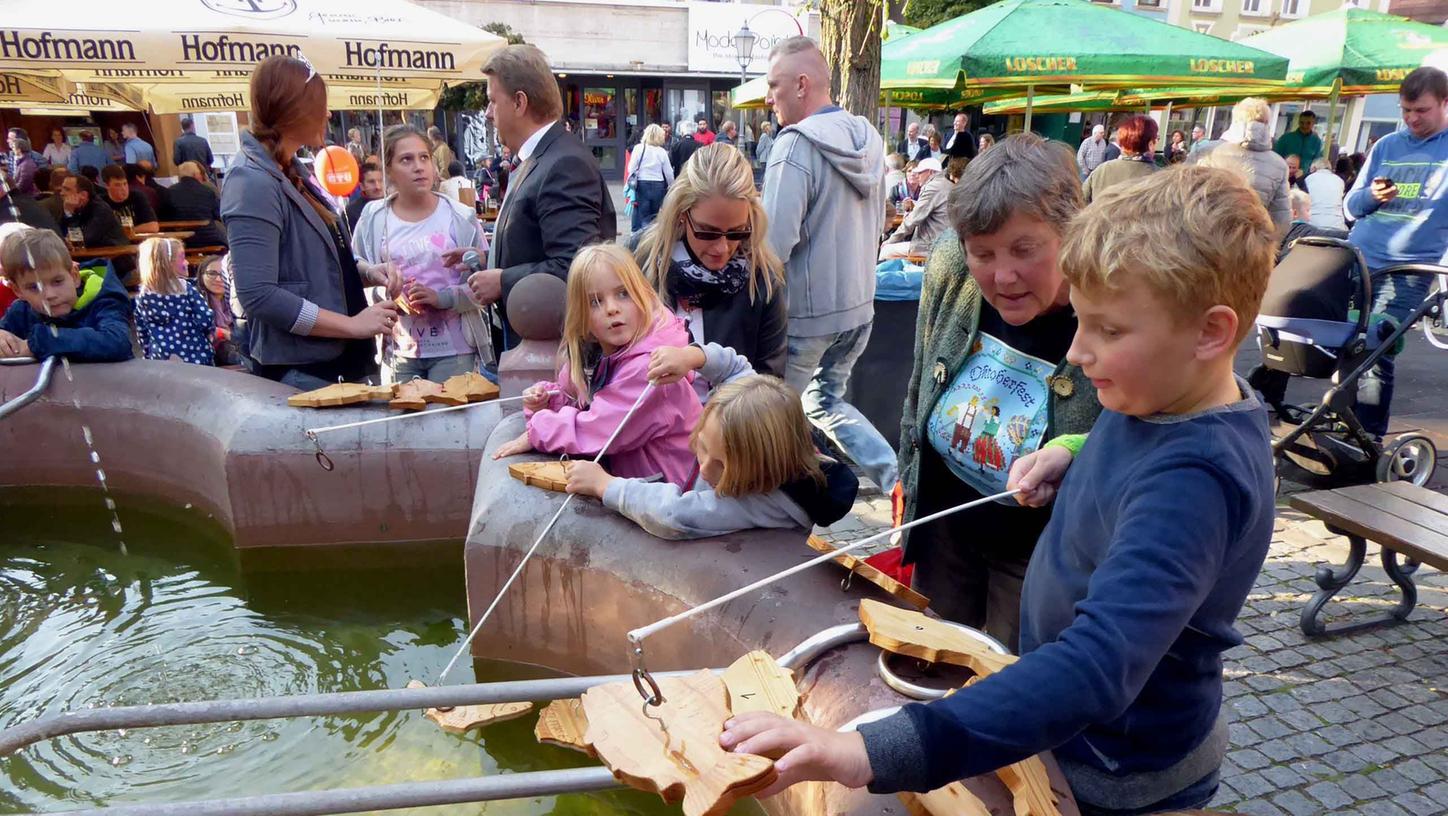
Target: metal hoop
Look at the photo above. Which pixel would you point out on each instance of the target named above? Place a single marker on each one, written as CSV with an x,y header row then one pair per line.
x,y
653,696
323,460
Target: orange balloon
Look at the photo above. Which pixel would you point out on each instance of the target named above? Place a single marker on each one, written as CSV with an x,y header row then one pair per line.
x,y
337,170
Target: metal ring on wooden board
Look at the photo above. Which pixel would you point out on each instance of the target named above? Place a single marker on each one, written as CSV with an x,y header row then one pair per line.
x,y
915,691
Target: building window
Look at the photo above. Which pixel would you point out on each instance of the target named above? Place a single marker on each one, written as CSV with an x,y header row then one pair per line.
x,y
1156,4
1207,6
1256,8
1362,4
1202,28
1294,8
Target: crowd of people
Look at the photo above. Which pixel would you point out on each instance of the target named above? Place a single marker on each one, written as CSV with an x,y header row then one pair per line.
x,y
1072,359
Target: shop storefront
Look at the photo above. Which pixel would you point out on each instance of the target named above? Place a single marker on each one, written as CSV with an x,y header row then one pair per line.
x,y
609,112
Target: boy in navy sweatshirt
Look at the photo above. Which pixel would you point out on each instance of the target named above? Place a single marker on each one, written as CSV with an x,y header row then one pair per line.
x,y
1158,532
83,315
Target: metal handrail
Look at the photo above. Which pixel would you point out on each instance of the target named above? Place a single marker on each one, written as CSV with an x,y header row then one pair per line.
x,y
42,382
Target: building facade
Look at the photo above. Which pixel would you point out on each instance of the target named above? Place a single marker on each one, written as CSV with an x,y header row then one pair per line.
x,y
625,64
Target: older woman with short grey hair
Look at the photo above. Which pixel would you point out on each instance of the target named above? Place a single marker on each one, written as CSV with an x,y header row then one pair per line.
x,y
990,381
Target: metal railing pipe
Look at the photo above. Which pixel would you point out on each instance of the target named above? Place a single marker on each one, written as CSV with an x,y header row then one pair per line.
x,y
42,382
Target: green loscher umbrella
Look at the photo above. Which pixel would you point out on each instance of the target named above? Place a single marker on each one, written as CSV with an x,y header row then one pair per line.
x,y
897,31
1366,51
750,95
1026,44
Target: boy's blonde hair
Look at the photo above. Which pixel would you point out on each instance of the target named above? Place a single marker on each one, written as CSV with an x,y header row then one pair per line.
x,y
159,262
578,341
1195,236
30,250
766,437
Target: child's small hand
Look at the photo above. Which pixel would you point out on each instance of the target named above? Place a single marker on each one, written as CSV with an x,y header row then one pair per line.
x,y
806,752
1038,475
391,277
588,479
669,364
536,397
514,447
13,346
419,294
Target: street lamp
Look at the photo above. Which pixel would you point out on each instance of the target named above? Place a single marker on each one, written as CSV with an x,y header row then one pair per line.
x,y
744,52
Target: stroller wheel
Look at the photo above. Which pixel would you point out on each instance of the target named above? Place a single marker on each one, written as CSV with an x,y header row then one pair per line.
x,y
1408,458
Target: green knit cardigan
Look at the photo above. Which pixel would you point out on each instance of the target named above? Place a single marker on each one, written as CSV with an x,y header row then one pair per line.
x,y
945,331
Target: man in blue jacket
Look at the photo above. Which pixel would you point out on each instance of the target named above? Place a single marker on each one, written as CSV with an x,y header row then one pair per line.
x,y
1400,203
62,310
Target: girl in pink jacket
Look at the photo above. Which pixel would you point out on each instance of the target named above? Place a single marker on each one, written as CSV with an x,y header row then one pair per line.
x,y
614,320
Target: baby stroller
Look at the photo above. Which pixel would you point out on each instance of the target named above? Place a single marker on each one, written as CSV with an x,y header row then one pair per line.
x,y
1307,328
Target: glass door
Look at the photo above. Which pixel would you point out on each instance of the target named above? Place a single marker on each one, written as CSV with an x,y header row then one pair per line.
x,y
601,129
685,105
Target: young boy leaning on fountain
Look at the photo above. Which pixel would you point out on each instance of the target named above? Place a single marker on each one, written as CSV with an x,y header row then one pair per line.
x,y
1158,531
80,314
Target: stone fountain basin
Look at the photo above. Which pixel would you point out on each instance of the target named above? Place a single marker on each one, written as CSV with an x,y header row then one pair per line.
x,y
596,576
228,443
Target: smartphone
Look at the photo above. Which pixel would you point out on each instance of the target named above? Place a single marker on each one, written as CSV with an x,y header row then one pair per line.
x,y
1385,181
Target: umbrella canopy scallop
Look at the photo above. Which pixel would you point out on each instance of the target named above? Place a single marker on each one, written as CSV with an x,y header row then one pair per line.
x,y
1041,42
1369,52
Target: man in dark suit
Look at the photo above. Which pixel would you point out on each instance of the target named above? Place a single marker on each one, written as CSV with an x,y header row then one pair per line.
x,y
961,142
913,146
557,201
191,147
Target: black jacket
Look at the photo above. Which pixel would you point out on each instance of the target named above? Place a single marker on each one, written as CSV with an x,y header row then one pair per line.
x,y
100,228
558,203
903,147
964,144
190,200
191,147
31,212
680,153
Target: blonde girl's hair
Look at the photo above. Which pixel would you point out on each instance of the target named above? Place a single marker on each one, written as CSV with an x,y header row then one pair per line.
x,y
766,437
160,261
578,341
715,170
653,135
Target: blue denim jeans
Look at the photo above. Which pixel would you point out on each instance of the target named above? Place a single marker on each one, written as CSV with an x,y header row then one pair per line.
x,y
1396,296
437,369
819,369
649,198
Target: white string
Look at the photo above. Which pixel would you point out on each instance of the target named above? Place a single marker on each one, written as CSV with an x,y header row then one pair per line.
x,y
430,412
636,636
648,389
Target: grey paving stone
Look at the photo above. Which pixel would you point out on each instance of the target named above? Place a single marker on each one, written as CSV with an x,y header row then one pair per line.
x,y
1295,803
1390,780
1418,771
1381,807
1330,794
1259,807
1438,792
1246,707
1272,727
1248,759
1374,753
1302,719
1283,776
1345,761
1405,746
1417,803
1308,744
1252,785
1361,787
1282,703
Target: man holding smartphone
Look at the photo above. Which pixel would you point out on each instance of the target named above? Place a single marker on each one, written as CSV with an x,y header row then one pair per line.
x,y
1400,202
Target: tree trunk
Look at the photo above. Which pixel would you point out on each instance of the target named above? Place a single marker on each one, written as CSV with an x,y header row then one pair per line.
x,y
850,33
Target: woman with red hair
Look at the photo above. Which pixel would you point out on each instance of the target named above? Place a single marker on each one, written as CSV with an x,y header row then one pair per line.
x,y
1136,136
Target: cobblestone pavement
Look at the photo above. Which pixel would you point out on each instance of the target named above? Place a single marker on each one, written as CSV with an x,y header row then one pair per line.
x,y
1354,724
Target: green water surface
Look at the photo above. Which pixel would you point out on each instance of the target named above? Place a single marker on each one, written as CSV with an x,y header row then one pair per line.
x,y
182,616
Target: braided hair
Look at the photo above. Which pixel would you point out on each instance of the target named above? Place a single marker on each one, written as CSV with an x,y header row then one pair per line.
x,y
287,94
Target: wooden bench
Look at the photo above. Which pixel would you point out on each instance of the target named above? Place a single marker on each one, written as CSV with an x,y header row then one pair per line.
x,y
1401,518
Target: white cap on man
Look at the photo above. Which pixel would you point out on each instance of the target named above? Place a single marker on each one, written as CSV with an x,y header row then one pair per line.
x,y
932,165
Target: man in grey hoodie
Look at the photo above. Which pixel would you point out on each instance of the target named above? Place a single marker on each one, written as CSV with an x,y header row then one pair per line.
x,y
824,193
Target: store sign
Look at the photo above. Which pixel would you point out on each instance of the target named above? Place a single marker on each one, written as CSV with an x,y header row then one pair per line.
x,y
712,27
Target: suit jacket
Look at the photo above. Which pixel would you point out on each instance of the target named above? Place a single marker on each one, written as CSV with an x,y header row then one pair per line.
x,y
903,147
190,200
557,203
964,144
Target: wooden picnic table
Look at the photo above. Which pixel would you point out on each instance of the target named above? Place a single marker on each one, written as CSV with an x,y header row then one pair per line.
x,y
183,225
138,237
103,253
893,222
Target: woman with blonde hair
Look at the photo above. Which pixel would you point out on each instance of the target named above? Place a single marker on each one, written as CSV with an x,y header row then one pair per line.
x,y
651,173
1246,147
709,259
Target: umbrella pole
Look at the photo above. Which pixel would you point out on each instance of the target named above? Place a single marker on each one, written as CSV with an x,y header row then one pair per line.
x,y
382,129
1331,115
1030,100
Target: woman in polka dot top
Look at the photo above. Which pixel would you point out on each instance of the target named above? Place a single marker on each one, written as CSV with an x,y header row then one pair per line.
x,y
172,318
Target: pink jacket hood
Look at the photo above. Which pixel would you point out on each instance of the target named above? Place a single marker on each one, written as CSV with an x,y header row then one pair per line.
x,y
656,439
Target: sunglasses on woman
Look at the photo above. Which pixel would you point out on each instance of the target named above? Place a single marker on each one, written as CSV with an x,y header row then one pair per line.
x,y
714,235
